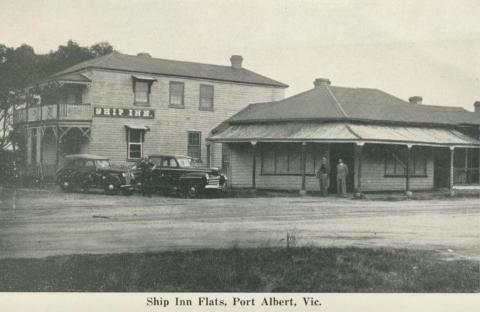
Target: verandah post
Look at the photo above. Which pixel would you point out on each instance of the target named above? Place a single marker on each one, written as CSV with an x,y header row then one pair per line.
x,y
407,173
57,143
452,173
303,191
254,164
358,151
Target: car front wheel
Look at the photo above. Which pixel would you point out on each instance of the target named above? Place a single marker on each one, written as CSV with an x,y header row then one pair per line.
x,y
66,186
191,190
111,189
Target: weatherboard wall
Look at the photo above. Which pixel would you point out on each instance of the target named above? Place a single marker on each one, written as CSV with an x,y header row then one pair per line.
x,y
373,173
168,130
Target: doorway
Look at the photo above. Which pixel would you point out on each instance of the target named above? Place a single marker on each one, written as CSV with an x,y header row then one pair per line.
x,y
441,167
346,153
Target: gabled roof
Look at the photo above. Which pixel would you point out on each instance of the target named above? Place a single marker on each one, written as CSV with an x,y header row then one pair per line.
x,y
150,65
70,77
353,104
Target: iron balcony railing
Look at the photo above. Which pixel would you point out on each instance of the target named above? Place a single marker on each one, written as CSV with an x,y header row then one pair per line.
x,y
53,112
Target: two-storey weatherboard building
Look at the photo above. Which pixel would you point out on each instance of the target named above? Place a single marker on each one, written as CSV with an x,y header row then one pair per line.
x,y
123,107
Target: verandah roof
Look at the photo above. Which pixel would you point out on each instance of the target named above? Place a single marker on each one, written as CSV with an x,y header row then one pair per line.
x,y
344,133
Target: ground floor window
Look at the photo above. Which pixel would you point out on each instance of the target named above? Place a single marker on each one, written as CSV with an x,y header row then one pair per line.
x,y
396,162
466,166
194,149
286,159
135,143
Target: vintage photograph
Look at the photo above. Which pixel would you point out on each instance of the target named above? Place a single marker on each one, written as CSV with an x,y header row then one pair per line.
x,y
240,147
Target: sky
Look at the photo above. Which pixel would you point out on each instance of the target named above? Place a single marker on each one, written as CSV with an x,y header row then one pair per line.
x,y
422,47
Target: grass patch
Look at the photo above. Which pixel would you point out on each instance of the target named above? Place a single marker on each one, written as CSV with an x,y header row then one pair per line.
x,y
305,269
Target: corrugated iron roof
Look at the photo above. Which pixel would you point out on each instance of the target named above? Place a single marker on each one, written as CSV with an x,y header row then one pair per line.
x,y
343,132
286,131
150,65
353,104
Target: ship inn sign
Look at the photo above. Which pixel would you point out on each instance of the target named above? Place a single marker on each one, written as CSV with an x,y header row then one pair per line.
x,y
124,112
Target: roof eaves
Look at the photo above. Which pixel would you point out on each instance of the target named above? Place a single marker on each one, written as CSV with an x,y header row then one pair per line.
x,y
279,85
343,119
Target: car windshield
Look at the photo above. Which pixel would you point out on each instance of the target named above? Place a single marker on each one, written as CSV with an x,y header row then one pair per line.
x,y
102,163
185,162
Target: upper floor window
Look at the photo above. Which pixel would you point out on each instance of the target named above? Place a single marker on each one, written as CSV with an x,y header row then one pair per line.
x,y
141,89
177,94
142,92
194,147
206,97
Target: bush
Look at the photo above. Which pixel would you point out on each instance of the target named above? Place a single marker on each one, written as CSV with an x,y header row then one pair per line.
x,y
8,168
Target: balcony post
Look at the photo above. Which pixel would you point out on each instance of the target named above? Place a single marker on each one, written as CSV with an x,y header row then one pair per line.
x,y
38,146
26,111
29,145
408,192
303,191
254,164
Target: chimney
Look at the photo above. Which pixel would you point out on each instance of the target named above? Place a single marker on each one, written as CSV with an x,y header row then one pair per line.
x,y
415,100
321,82
236,61
144,55
476,106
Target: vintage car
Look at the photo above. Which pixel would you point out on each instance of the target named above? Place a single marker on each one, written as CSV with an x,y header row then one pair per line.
x,y
85,171
181,175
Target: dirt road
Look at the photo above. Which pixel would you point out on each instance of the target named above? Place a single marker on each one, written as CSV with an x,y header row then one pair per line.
x,y
51,223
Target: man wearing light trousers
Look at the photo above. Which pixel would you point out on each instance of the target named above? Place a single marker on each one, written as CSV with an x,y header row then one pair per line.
x,y
342,172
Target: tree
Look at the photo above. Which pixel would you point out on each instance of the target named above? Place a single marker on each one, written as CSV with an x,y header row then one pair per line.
x,y
21,67
101,48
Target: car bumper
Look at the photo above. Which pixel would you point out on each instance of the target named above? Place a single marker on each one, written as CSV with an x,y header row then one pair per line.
x,y
127,187
215,186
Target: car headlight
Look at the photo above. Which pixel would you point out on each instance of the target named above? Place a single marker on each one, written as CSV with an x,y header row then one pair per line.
x,y
124,175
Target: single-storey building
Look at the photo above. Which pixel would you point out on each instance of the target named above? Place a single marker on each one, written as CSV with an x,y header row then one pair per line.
x,y
389,144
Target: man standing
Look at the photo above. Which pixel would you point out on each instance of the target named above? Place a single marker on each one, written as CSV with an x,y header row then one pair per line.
x,y
342,172
323,176
146,167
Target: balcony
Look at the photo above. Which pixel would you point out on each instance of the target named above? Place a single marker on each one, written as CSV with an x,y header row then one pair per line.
x,y
53,112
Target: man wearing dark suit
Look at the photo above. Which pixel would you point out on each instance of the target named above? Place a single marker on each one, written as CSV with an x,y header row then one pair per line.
x,y
323,175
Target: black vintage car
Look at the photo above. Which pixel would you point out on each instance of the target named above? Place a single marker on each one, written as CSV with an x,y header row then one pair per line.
x,y
181,175
86,171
